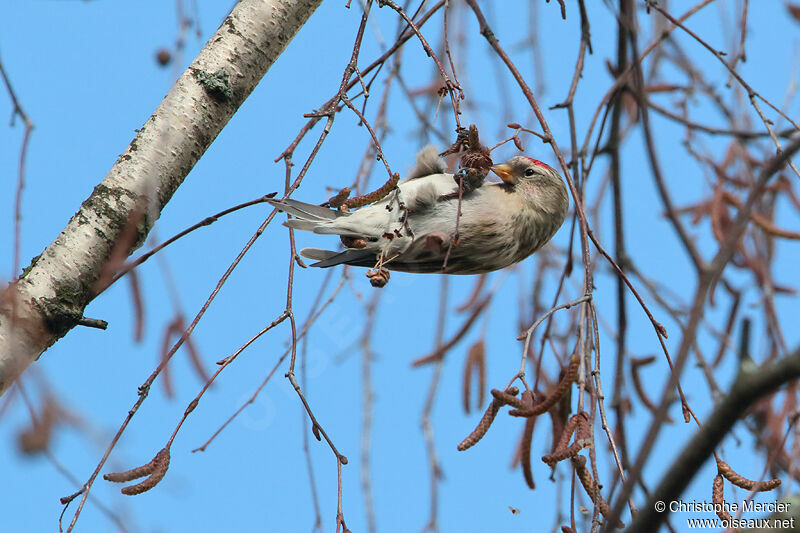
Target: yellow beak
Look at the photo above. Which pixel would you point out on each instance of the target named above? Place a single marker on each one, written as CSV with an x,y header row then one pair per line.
x,y
504,171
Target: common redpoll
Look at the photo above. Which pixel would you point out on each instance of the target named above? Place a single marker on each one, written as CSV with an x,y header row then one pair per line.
x,y
414,227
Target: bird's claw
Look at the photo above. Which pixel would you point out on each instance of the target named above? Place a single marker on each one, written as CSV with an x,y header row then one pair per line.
x,y
469,178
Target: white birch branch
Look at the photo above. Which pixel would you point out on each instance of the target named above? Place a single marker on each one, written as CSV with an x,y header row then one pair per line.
x,y
49,297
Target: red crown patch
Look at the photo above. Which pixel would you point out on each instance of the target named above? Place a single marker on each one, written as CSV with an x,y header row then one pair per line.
x,y
538,163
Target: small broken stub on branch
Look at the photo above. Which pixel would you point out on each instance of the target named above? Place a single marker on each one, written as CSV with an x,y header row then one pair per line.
x,y
473,167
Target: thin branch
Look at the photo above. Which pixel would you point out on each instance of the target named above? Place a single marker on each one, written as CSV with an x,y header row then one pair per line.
x,y
18,111
205,222
748,387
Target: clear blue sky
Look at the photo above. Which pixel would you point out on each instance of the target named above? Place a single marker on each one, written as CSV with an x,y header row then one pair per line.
x,y
85,73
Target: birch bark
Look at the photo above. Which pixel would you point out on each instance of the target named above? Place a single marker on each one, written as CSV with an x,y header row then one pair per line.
x,y
49,297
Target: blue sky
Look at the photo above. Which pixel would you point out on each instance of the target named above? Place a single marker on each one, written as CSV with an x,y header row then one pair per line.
x,y
85,73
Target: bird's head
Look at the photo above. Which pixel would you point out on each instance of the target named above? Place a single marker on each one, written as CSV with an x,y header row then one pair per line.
x,y
521,169
538,185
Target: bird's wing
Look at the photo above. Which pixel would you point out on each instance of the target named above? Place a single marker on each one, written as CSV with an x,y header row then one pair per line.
x,y
329,258
480,228
364,258
422,243
411,198
306,211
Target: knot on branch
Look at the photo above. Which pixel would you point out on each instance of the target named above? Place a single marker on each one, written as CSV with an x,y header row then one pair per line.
x,y
216,84
64,311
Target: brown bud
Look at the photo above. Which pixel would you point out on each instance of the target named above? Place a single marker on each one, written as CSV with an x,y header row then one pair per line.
x,y
739,480
585,476
718,498
378,194
475,362
378,277
353,242
525,446
486,421
155,469
339,198
163,57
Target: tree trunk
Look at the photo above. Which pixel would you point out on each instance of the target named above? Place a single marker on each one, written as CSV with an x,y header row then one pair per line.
x,y
49,297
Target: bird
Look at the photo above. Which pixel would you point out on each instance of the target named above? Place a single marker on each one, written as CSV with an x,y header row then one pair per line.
x,y
413,228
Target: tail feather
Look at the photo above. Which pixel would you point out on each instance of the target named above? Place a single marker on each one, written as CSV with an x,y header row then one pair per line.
x,y
329,258
329,229
317,254
306,211
296,223
428,162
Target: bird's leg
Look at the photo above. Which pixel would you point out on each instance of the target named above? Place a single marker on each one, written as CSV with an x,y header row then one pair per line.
x,y
458,213
473,178
468,180
454,236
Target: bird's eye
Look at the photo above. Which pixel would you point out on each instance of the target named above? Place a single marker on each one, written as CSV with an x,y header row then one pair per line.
x,y
529,172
